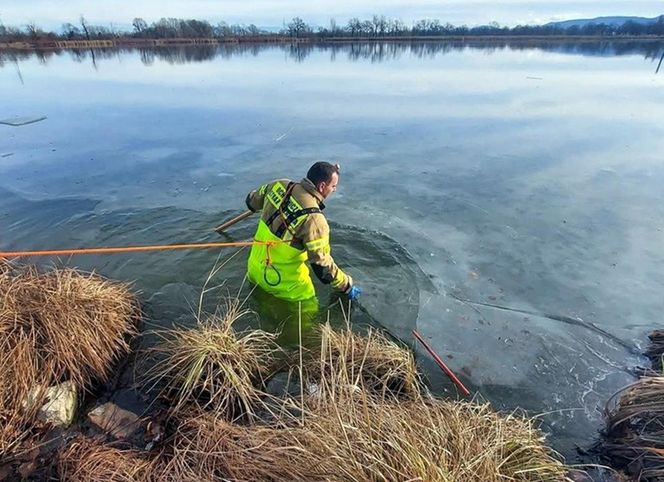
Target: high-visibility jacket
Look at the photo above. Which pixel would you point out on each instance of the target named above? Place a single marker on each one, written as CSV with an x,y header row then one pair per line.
x,y
292,212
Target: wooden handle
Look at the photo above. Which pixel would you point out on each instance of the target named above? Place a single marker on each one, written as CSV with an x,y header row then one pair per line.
x,y
233,221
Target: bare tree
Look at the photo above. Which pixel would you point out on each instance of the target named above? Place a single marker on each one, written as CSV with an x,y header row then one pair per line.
x,y
379,24
70,31
140,26
297,27
354,26
32,30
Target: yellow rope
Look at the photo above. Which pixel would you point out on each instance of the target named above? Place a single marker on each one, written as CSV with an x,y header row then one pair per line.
x,y
132,249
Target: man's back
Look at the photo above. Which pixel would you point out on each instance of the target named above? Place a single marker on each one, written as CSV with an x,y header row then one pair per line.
x,y
292,218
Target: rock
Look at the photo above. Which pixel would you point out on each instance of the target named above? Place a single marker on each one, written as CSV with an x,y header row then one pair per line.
x,y
27,469
60,407
116,421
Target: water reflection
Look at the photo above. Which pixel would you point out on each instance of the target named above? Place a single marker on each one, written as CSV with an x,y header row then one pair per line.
x,y
353,51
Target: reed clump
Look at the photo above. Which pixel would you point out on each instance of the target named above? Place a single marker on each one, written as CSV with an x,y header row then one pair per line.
x,y
55,326
349,431
635,429
76,322
361,438
91,460
370,360
212,366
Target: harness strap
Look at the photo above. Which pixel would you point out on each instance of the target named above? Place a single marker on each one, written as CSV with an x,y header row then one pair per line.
x,y
289,190
292,217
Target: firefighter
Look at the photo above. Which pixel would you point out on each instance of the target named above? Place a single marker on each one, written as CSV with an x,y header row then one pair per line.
x,y
293,212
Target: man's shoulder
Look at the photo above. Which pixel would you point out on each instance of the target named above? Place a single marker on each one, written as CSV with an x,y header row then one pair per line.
x,y
317,220
283,181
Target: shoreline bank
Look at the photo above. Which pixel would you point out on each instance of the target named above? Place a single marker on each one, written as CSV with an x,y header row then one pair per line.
x,y
138,43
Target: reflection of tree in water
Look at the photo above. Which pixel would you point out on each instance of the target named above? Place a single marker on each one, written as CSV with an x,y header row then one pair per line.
x,y
299,52
20,55
353,51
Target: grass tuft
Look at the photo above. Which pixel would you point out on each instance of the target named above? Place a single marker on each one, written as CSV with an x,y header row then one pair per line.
x,y
635,429
368,439
371,361
55,326
212,366
90,460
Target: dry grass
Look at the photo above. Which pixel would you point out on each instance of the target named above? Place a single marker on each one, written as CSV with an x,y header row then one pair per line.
x,y
371,361
351,431
88,460
212,366
209,447
635,429
361,438
55,326
18,376
78,322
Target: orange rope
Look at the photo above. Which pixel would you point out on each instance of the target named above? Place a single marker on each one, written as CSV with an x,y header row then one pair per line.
x,y
132,249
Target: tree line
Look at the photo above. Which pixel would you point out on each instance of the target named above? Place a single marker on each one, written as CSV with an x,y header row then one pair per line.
x,y
378,26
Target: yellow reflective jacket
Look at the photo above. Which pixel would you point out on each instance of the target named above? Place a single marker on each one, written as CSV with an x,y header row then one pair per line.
x,y
292,212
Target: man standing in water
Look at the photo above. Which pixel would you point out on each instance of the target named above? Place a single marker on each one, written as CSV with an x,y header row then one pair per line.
x,y
291,215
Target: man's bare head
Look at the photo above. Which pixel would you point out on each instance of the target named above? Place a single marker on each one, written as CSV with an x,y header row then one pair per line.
x,y
325,177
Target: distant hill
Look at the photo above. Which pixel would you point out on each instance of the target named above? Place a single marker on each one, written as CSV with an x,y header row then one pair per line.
x,y
613,21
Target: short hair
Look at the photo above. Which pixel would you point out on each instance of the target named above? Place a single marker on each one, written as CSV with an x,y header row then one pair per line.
x,y
322,172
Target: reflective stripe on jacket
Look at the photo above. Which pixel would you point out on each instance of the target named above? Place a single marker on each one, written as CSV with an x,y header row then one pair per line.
x,y
292,212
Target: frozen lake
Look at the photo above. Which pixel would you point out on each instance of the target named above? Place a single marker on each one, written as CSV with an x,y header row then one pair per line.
x,y
505,200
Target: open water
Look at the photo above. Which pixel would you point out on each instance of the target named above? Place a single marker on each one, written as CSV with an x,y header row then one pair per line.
x,y
505,200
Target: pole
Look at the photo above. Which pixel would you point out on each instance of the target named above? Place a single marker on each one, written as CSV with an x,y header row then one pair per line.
x,y
233,221
442,365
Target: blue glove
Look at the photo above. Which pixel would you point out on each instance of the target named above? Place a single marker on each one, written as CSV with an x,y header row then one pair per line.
x,y
354,293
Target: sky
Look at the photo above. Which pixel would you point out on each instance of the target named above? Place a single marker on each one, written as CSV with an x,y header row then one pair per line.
x,y
51,14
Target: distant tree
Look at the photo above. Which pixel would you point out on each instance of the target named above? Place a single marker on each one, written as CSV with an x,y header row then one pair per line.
x,y
297,27
354,26
33,31
366,28
421,27
396,27
253,30
167,28
140,26
238,30
70,31
195,29
223,30
379,25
